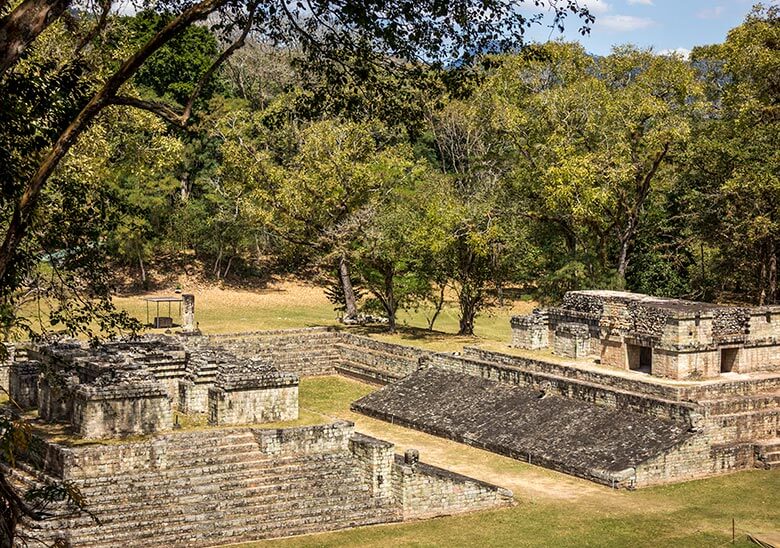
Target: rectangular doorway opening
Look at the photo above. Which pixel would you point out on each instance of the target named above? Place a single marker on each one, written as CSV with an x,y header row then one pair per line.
x,y
728,359
640,358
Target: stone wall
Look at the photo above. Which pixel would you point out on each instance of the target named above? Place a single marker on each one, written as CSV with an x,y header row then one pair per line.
x,y
596,443
23,383
252,406
376,361
426,491
498,361
376,461
535,374
321,351
120,410
252,392
572,340
531,332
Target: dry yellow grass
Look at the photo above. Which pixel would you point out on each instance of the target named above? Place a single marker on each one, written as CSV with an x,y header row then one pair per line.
x,y
291,303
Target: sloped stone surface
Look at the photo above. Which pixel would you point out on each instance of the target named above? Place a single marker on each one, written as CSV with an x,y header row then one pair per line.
x,y
567,435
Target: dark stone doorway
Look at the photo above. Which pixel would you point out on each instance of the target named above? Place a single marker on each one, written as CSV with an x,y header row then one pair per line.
x,y
728,359
640,358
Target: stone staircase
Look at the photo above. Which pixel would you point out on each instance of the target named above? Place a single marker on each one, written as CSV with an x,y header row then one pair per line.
x,y
376,361
768,454
221,491
304,351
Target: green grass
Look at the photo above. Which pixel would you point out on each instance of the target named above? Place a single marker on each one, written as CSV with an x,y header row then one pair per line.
x,y
552,509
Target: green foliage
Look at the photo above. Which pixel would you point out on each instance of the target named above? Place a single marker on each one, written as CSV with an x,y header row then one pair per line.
x,y
732,172
174,70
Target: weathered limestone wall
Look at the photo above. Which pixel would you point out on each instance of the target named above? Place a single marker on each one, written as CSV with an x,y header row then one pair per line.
x,y
23,383
531,332
426,491
234,407
596,443
5,364
55,401
119,411
376,361
618,397
572,340
328,438
305,352
252,392
232,485
696,458
376,460
680,393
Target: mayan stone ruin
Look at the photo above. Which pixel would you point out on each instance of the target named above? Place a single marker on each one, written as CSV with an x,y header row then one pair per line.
x,y
108,420
664,337
165,435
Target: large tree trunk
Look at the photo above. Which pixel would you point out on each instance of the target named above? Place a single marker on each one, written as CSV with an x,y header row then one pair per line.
x,y
22,26
772,272
144,283
469,304
349,292
625,241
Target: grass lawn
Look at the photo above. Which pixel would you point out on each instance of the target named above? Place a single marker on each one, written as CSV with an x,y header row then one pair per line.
x,y
288,304
552,509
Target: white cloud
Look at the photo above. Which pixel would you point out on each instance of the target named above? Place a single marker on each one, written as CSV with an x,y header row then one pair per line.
x,y
623,23
682,52
641,2
711,13
597,6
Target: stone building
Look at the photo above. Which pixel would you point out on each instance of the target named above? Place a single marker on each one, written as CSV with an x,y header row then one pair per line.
x,y
232,477
664,337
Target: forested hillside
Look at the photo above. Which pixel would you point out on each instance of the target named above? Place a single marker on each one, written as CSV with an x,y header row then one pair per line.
x,y
545,168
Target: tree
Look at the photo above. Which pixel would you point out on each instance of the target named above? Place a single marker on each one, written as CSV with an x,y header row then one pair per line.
x,y
430,29
732,170
387,237
592,139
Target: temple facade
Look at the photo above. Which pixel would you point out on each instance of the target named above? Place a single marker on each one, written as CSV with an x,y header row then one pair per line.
x,y
664,337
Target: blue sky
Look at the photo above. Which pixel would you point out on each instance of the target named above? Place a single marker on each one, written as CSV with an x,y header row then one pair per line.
x,y
663,24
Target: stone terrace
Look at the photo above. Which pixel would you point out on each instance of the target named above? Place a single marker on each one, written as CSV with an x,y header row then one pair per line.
x,y
571,436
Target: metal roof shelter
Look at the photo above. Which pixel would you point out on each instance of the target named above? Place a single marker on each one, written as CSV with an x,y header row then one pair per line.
x,y
159,321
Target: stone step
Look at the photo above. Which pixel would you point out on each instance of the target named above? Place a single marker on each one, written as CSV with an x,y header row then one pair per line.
x,y
729,419
181,509
128,494
376,355
256,469
251,532
205,522
359,370
768,446
244,507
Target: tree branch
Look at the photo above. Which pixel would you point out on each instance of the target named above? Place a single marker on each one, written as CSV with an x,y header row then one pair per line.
x,y
22,26
163,110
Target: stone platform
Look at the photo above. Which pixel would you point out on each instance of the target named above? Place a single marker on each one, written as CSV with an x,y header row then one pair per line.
x,y
233,485
582,439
